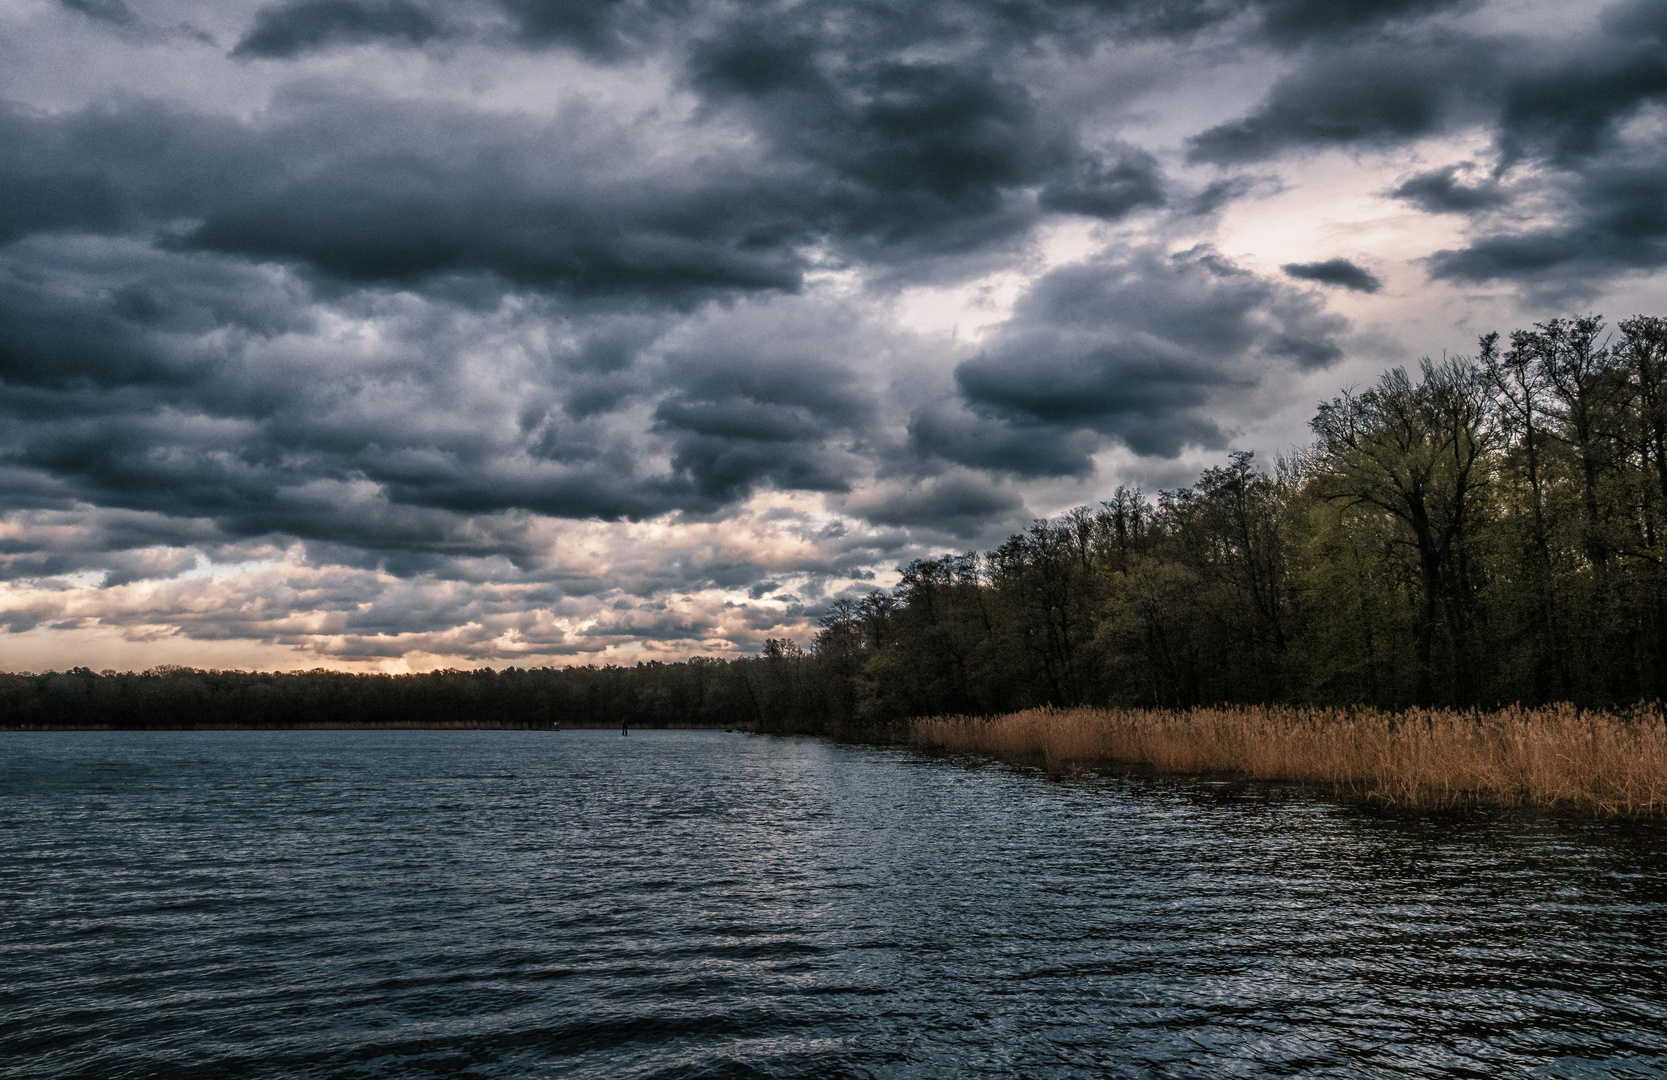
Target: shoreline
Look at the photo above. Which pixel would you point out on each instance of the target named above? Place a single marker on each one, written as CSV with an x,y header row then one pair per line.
x,y
1562,760
22,729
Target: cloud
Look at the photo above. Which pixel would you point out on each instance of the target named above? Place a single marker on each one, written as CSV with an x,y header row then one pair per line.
x,y
1372,93
1110,192
1440,192
903,158
1573,120
403,425
1138,347
437,194
1579,125
766,414
950,432
1568,102
1559,99
114,12
1615,221
1294,22
374,192
960,504
537,329
908,161
1339,272
284,31
602,28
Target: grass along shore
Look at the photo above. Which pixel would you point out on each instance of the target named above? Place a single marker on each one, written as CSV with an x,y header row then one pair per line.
x,y
1559,758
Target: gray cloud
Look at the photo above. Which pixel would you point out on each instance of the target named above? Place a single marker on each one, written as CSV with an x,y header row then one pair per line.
x,y
539,327
430,193
1293,22
1339,272
282,31
1000,444
1562,115
1440,192
902,157
1567,102
1371,93
1106,191
110,11
961,505
1136,348
1559,100
1567,117
1618,223
616,30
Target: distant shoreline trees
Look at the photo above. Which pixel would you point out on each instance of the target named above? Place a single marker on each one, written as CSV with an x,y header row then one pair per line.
x,y
1491,531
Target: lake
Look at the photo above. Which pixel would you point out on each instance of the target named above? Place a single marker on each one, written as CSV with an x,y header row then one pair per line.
x,y
702,904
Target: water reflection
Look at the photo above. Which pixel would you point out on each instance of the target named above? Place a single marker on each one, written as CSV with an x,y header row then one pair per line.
x,y
683,904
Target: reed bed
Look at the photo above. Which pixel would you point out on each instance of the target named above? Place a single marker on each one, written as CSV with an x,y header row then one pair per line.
x,y
1558,758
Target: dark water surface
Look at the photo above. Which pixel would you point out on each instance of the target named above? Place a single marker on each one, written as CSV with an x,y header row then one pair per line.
x,y
698,904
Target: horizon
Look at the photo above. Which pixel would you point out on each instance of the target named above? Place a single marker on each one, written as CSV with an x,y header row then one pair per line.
x,y
386,336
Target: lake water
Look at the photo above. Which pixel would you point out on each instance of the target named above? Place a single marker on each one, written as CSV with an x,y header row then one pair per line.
x,y
702,904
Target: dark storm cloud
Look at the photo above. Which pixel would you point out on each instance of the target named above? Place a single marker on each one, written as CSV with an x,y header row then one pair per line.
x,y
617,30
48,340
879,158
48,202
1293,22
1148,398
1373,93
282,31
52,180
1339,272
1136,348
755,404
1558,100
608,26
1563,112
379,192
951,433
958,504
111,11
118,399
728,444
1566,103
1558,110
115,397
902,157
907,161
1108,191
1566,114
126,545
1618,222
602,28
1440,192
122,165
370,221
393,327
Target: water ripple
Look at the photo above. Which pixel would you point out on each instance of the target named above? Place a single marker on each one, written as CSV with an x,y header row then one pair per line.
x,y
697,904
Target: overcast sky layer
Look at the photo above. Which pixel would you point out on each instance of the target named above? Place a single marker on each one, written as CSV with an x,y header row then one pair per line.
x,y
395,334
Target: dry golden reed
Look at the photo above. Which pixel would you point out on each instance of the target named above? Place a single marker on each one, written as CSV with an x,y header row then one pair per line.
x,y
1559,758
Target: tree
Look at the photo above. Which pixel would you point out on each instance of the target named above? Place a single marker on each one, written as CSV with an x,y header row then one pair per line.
x,y
1415,452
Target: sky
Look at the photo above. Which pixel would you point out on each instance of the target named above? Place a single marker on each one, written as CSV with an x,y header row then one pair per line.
x,y
394,335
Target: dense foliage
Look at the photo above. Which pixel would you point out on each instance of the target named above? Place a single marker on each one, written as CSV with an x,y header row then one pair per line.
x,y
1492,531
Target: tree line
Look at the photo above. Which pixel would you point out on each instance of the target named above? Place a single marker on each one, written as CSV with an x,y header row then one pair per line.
x,y
1490,529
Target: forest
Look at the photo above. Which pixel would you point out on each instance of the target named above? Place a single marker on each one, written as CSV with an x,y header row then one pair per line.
x,y
1487,531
